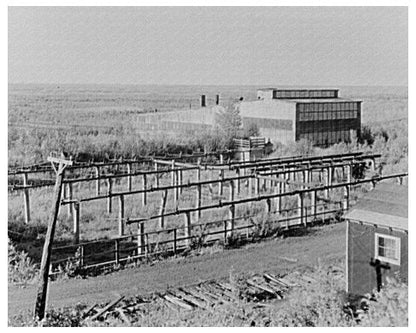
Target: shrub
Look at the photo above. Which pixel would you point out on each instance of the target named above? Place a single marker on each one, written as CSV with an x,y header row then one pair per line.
x,y
21,269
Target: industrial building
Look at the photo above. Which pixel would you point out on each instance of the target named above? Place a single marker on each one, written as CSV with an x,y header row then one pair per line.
x,y
288,115
377,238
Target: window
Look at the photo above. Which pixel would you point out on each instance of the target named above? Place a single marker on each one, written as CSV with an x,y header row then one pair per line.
x,y
387,249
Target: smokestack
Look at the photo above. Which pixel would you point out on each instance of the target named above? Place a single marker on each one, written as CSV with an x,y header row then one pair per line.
x,y
217,99
203,104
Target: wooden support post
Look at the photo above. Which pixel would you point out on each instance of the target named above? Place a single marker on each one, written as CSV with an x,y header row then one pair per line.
x,y
331,175
162,209
238,181
117,251
173,181
198,194
177,181
81,255
175,241
188,229
326,191
121,215
278,190
313,204
144,187
129,178
141,240
231,212
299,208
26,199
40,305
109,193
349,174
256,186
180,181
220,185
250,186
156,174
198,202
221,159
97,181
76,217
373,164
69,197
268,205
346,201
305,176
303,215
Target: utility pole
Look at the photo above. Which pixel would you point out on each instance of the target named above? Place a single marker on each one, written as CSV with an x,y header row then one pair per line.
x,y
59,164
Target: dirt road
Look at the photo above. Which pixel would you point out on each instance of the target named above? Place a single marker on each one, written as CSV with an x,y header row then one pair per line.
x,y
327,242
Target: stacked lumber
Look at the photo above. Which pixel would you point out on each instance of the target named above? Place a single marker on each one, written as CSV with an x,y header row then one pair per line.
x,y
257,289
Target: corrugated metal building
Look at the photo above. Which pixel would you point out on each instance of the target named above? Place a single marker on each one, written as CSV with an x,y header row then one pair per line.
x,y
318,115
377,238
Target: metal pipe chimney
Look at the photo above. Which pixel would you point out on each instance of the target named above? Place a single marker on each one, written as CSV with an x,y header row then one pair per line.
x,y
203,101
217,99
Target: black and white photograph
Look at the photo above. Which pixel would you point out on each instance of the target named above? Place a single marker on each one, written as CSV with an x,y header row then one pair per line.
x,y
207,166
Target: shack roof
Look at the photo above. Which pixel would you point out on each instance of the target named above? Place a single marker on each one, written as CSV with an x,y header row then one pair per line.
x,y
386,205
315,100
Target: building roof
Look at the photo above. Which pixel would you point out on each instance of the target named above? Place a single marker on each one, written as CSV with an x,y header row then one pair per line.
x,y
386,205
315,100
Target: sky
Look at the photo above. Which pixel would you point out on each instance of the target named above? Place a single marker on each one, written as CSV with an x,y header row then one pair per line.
x,y
307,46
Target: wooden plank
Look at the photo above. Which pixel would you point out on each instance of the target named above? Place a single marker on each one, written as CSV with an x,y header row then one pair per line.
x,y
197,293
123,316
190,298
106,308
261,287
175,300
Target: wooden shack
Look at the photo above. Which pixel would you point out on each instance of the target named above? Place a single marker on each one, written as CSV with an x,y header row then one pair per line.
x,y
377,239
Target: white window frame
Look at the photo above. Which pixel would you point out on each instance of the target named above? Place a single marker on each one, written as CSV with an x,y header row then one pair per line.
x,y
397,249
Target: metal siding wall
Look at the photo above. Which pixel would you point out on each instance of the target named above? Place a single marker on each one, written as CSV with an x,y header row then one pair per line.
x,y
327,123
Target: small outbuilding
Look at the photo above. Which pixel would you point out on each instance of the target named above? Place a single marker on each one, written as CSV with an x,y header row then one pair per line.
x,y
377,238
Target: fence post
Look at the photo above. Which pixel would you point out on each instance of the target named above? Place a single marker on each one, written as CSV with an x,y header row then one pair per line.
x,y
313,204
81,255
220,186
326,191
117,251
69,197
250,186
173,181
299,208
121,215
238,180
175,238
129,177
277,190
188,229
349,175
144,187
225,231
26,198
156,174
141,241
109,199
346,200
177,181
97,181
162,209
76,216
180,181
231,214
